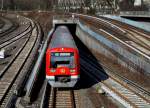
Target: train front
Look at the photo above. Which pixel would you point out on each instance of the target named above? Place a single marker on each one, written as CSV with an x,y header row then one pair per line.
x,y
62,60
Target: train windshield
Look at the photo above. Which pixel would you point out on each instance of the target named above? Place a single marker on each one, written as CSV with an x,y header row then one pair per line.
x,y
62,60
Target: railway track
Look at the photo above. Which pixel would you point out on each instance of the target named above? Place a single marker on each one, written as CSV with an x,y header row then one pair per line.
x,y
13,73
133,33
8,26
115,74
17,33
10,45
12,42
125,26
133,37
59,98
129,96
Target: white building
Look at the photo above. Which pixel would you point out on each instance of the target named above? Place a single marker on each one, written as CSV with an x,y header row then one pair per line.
x,y
137,2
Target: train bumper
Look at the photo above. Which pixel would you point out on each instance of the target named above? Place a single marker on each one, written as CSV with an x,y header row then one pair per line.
x,y
71,83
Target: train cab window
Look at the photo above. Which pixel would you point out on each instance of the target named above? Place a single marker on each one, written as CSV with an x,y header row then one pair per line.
x,y
62,60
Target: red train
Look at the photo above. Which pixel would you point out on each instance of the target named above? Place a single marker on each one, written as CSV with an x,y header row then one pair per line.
x,y
62,59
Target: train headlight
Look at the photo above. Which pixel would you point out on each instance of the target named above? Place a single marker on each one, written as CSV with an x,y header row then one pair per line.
x,y
53,70
72,70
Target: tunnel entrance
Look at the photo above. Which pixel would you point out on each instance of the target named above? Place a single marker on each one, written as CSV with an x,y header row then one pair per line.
x,y
70,26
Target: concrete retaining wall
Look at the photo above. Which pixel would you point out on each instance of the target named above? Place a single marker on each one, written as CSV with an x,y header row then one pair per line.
x,y
113,49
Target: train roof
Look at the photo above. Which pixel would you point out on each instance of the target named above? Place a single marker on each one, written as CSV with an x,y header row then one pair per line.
x,y
62,38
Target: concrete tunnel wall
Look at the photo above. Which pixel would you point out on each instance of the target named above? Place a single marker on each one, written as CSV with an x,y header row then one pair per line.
x,y
113,49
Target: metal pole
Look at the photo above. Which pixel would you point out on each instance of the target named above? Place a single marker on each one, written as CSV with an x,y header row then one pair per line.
x,y
2,5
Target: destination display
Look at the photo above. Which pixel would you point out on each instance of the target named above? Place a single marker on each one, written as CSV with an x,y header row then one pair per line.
x,y
62,54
